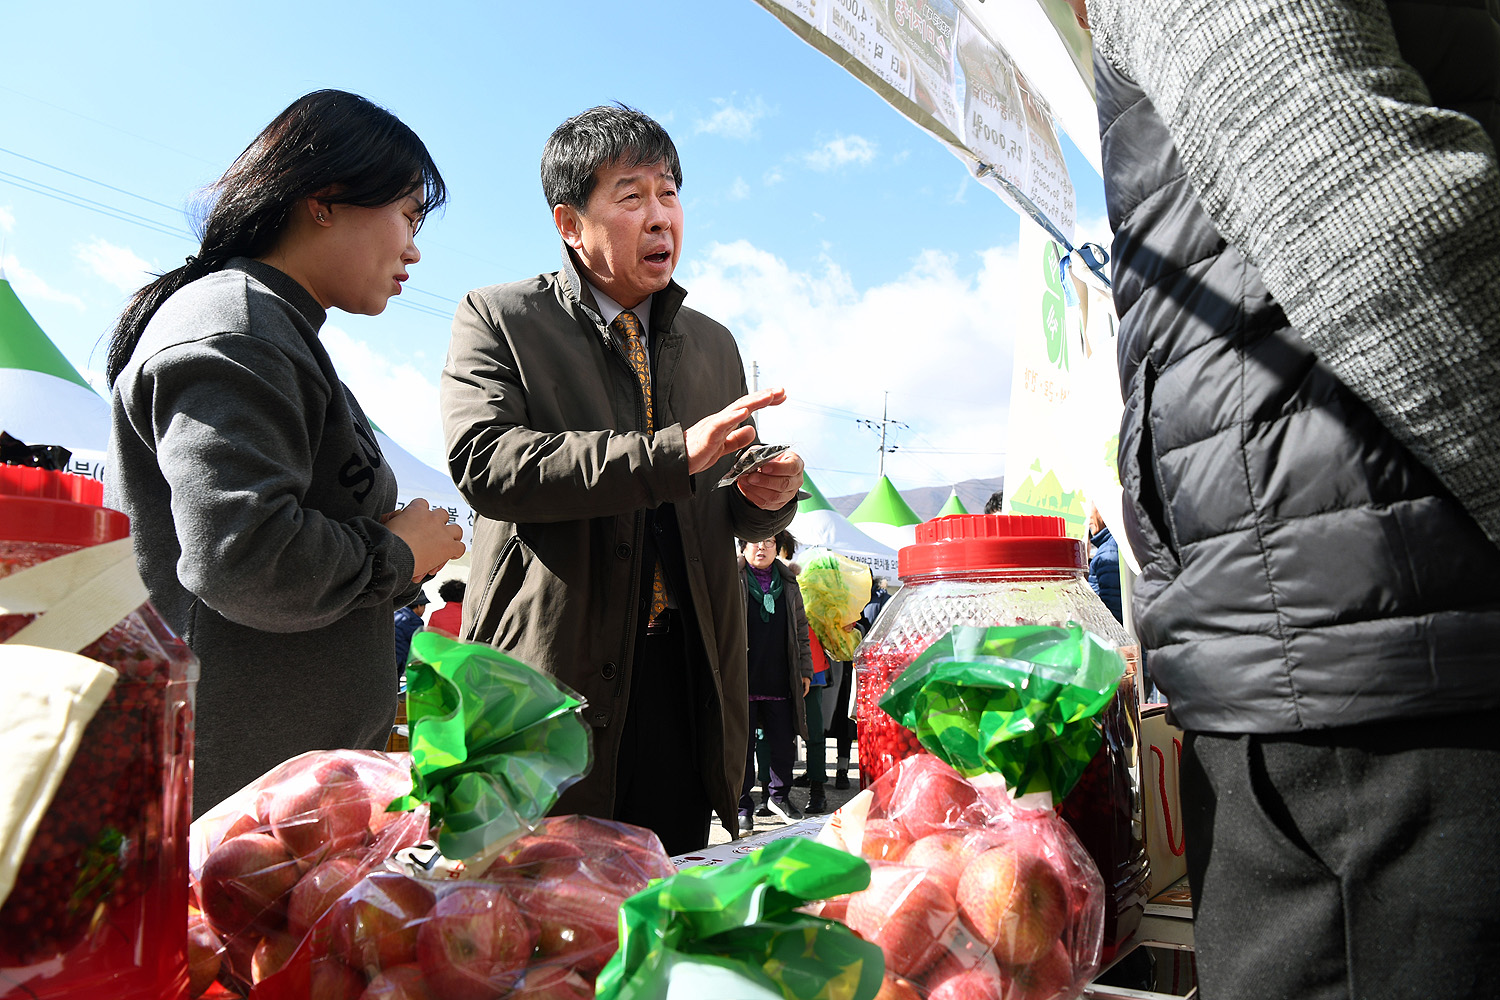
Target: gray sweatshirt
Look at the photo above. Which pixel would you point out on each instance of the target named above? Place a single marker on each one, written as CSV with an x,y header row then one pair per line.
x,y
255,486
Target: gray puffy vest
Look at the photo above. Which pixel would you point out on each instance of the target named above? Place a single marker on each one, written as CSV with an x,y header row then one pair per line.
x,y
1300,569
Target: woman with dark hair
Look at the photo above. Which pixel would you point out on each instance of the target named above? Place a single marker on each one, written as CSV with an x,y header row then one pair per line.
x,y
262,509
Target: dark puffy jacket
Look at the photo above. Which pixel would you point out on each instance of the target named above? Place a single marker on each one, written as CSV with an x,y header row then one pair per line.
x,y
1300,569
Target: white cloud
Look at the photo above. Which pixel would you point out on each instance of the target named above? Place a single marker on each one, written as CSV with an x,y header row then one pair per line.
x,y
939,338
841,150
733,121
118,266
400,398
773,176
739,190
30,285
7,219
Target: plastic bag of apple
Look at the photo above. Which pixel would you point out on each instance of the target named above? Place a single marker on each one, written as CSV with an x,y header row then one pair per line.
x,y
318,881
978,889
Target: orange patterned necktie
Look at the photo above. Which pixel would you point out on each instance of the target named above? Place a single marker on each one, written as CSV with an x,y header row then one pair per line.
x,y
628,327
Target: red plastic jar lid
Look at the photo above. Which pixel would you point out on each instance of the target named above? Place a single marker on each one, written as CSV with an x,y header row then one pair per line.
x,y
975,543
40,505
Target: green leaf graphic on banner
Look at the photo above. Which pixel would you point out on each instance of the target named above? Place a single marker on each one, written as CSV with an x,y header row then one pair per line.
x,y
1053,312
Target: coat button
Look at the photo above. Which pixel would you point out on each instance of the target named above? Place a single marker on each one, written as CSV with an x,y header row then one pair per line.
x,y
623,550
607,671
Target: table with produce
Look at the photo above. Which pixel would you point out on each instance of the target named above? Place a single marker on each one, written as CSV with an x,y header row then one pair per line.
x,y
968,867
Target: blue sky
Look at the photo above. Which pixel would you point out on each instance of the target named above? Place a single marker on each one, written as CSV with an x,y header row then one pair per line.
x,y
847,249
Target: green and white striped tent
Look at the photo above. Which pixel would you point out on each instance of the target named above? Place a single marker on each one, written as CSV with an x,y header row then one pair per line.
x,y
43,398
885,517
818,524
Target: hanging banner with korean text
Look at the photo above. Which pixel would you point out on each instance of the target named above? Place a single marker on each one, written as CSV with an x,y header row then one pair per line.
x,y
940,64
1065,403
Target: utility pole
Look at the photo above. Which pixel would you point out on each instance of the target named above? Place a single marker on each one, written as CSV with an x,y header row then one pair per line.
x,y
885,423
885,418
755,376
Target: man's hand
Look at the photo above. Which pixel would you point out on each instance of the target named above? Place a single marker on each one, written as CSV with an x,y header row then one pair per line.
x,y
725,432
774,484
806,686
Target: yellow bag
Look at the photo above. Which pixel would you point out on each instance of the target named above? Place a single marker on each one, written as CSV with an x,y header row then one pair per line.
x,y
835,590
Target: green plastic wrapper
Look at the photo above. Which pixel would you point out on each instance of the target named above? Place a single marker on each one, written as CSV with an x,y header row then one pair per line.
x,y
835,590
1018,701
493,744
735,932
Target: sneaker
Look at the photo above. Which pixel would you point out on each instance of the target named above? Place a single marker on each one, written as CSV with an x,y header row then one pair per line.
x,y
786,808
842,781
747,825
817,801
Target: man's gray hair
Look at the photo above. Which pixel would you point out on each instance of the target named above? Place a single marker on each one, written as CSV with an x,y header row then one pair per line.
x,y
600,137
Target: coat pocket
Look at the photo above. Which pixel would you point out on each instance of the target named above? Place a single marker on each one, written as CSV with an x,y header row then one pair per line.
x,y
1147,510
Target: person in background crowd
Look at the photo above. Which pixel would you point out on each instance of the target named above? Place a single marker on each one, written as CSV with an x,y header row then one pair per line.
x,y
1306,206
588,415
449,617
816,775
263,512
995,502
780,674
1104,564
408,620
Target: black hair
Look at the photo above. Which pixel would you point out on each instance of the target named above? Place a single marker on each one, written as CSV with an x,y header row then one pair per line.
x,y
600,137
452,590
995,502
330,143
786,542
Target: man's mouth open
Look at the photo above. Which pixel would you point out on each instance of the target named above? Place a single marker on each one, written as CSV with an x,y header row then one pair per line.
x,y
660,257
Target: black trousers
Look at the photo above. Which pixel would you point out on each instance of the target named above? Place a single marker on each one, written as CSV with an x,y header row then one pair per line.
x,y
658,776
776,719
1352,863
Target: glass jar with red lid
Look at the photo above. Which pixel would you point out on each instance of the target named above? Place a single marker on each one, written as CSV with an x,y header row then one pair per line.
x,y
100,903
989,570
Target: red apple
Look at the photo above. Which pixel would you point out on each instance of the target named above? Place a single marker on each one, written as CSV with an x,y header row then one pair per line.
x,y
245,823
942,854
930,796
577,922
884,840
205,954
318,890
1012,898
618,853
474,944
965,954
976,984
375,925
244,882
1048,977
328,816
271,954
893,988
553,982
404,982
539,856
330,979
907,913
836,908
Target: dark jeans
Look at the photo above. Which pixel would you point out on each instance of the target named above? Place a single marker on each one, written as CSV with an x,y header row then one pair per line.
x,y
817,743
1351,863
841,727
777,720
658,776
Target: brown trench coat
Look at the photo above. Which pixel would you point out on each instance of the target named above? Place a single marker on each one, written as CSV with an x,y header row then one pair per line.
x,y
544,425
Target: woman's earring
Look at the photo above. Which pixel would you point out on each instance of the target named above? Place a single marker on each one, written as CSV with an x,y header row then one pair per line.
x,y
320,216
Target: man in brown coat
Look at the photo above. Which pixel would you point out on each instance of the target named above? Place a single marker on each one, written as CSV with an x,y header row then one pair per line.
x,y
588,416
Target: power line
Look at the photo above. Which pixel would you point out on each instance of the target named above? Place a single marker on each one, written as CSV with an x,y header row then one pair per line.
x,y
83,177
78,201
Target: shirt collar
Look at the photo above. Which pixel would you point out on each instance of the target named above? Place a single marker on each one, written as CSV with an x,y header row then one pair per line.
x,y
609,309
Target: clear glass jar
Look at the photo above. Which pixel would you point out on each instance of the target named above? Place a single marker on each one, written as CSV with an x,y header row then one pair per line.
x,y
990,570
100,904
